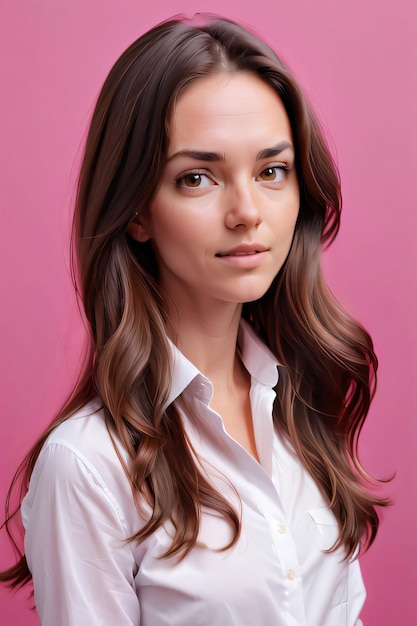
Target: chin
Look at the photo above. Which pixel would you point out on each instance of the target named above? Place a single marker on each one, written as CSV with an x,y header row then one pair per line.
x,y
250,295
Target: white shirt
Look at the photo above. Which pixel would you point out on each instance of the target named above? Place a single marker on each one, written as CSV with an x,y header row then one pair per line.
x,y
79,514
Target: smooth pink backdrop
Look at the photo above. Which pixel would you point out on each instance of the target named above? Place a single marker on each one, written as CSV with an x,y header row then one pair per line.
x,y
357,59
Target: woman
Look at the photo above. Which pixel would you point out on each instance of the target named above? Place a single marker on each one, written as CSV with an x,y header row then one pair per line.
x,y
205,469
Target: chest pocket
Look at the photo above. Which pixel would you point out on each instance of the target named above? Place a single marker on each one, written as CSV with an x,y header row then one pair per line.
x,y
326,525
328,532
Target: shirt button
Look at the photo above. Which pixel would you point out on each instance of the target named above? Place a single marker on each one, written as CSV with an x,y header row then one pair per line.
x,y
291,574
282,529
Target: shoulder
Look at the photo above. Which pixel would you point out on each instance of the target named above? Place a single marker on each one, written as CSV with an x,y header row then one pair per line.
x,y
90,416
87,437
85,433
81,457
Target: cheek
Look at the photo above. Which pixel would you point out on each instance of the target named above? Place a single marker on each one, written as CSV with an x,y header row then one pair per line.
x,y
178,221
286,212
285,225
175,231
163,219
294,212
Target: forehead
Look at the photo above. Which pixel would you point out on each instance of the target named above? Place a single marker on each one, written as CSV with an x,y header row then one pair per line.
x,y
222,106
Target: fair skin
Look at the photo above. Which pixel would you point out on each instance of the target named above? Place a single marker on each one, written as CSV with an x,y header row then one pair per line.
x,y
222,224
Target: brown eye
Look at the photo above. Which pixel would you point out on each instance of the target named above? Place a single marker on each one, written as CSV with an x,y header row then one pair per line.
x,y
192,180
268,174
272,174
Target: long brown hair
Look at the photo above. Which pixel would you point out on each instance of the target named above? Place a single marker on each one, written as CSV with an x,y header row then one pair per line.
x,y
328,365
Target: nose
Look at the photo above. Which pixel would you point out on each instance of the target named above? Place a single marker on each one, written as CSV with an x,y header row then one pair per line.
x,y
242,207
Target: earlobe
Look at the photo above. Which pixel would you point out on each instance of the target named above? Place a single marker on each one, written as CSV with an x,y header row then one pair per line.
x,y
138,231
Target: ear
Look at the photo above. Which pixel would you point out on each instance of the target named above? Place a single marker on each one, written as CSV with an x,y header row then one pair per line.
x,y
138,231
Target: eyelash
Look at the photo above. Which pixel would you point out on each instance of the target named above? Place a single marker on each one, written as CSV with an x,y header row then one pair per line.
x,y
277,166
282,166
179,179
199,172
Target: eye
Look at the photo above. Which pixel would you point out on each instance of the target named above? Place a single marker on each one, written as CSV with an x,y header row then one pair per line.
x,y
274,173
194,180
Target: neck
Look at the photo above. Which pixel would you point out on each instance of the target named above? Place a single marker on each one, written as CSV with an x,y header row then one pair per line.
x,y
208,339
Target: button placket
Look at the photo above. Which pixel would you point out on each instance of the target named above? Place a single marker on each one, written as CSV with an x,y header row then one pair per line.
x,y
283,546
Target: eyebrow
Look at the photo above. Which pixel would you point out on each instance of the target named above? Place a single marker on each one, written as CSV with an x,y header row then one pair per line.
x,y
216,156
274,151
198,156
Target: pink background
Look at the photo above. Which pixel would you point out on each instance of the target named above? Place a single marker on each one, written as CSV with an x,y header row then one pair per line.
x,y
357,59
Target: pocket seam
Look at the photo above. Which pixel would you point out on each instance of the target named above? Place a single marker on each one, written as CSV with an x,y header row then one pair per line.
x,y
323,516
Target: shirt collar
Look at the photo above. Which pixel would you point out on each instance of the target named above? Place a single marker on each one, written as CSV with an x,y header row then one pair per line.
x,y
256,357
183,372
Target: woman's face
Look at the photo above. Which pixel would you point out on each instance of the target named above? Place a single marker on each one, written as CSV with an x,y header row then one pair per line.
x,y
223,219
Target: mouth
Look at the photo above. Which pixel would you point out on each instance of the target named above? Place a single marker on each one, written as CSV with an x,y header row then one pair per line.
x,y
243,250
238,253
245,257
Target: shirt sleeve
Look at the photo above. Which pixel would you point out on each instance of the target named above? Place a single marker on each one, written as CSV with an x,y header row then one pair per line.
x,y
76,546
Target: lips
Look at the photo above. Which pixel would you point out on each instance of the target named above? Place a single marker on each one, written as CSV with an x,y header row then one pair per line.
x,y
243,250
